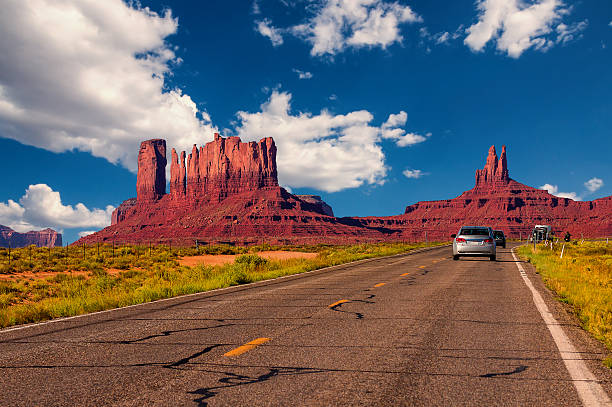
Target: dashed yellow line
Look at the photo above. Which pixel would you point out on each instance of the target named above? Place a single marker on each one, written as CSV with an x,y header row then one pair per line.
x,y
337,303
246,347
404,275
380,284
421,267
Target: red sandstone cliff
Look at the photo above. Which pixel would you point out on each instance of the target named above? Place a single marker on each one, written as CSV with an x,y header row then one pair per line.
x,y
228,190
40,238
151,179
501,202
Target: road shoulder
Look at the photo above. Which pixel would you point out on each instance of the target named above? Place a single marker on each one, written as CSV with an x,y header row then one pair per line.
x,y
592,350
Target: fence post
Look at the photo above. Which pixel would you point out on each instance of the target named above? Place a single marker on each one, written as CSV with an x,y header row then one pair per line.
x,y
9,250
30,253
150,253
562,249
113,249
98,249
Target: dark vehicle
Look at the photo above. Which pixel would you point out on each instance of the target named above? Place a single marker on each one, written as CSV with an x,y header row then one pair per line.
x,y
500,238
568,237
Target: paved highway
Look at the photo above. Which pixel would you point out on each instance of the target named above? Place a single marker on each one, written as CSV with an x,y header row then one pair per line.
x,y
418,329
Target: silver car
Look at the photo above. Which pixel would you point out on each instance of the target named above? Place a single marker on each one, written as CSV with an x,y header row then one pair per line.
x,y
474,241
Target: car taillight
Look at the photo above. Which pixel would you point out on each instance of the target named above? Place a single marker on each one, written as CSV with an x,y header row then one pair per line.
x,y
489,240
460,240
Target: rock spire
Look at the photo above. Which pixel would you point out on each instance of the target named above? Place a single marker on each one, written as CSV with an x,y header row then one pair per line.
x,y
495,170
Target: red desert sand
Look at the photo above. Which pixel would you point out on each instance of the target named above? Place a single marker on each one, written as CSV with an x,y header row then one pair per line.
x,y
219,259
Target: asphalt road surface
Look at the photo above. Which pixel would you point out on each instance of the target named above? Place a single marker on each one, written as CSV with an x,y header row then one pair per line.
x,y
419,329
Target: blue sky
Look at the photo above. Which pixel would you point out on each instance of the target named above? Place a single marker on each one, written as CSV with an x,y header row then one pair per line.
x,y
374,104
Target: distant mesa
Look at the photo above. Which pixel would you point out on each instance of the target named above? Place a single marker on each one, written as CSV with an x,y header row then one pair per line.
x,y
227,190
41,238
501,202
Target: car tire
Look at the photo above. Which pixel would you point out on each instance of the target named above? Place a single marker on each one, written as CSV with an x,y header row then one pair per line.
x,y
455,257
504,246
492,258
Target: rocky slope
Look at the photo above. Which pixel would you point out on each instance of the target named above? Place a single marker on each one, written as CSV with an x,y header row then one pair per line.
x,y
228,190
40,238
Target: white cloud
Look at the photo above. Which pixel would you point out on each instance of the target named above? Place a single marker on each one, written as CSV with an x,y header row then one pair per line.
x,y
265,28
87,233
554,190
340,24
325,151
41,207
440,38
443,38
568,33
90,75
517,25
333,96
302,74
415,174
255,8
391,130
594,184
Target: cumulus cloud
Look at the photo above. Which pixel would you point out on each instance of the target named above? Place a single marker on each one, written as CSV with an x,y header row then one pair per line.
x,y
325,151
265,28
594,184
391,130
90,75
414,174
517,25
302,74
554,190
87,233
340,24
42,207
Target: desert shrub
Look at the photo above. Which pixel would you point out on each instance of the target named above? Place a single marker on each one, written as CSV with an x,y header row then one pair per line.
x,y
250,261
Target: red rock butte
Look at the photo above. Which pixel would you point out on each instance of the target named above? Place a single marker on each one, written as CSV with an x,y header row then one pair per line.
x,y
228,190
41,238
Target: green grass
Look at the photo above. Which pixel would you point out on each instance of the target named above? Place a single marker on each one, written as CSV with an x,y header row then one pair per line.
x,y
583,279
150,274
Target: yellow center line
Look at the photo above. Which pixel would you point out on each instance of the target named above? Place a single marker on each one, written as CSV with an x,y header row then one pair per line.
x,y
246,347
421,267
404,275
337,303
380,284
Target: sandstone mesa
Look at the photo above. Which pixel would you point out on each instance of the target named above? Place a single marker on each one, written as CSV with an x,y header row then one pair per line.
x,y
227,190
41,238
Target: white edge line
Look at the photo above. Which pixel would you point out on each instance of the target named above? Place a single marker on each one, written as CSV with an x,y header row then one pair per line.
x,y
62,319
589,390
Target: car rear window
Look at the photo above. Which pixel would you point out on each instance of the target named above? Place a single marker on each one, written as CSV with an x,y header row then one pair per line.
x,y
498,234
474,232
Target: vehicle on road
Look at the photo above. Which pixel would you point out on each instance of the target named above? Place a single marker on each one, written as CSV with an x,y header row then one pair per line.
x,y
541,233
500,238
474,241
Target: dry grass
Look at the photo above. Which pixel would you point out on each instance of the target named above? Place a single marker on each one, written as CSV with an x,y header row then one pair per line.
x,y
583,279
147,275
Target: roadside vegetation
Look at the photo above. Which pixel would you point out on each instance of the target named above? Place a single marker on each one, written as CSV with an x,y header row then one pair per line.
x,y
99,277
583,279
